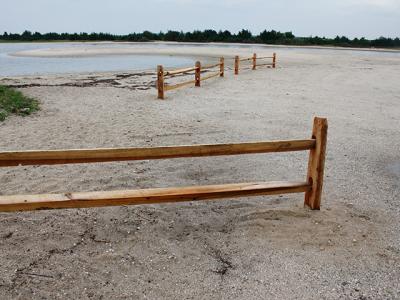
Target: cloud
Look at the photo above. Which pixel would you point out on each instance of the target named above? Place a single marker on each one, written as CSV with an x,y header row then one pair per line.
x,y
379,4
223,3
370,18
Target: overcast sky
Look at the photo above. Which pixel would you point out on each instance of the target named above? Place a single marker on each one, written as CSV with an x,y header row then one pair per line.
x,y
353,18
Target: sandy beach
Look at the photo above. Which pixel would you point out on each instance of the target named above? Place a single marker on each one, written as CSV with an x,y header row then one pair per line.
x,y
189,49
247,248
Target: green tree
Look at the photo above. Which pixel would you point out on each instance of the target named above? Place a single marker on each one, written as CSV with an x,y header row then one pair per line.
x,y
244,35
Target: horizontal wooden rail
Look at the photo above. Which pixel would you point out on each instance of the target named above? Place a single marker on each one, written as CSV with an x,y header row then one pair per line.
x,y
312,187
264,57
210,66
51,157
147,196
210,76
178,85
179,71
266,64
245,59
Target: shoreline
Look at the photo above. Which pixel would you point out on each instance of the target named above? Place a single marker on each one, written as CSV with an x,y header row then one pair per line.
x,y
88,52
206,53
205,43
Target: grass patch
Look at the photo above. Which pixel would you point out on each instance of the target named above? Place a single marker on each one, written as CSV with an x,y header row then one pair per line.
x,y
14,102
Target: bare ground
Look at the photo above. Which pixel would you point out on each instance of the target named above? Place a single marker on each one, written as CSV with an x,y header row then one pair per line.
x,y
249,248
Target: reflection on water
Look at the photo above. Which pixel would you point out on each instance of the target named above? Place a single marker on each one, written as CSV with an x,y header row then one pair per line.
x,y
14,66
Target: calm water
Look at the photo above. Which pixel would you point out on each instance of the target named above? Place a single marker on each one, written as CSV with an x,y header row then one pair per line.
x,y
15,66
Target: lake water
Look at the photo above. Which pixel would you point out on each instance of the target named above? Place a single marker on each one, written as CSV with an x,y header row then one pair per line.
x,y
15,66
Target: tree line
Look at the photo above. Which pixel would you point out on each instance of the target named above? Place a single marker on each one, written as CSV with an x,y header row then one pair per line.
x,y
243,36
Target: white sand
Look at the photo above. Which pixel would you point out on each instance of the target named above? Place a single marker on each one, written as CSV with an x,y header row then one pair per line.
x,y
123,50
249,248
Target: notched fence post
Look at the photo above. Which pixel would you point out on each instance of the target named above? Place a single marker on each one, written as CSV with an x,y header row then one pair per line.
x,y
222,67
197,73
236,65
316,164
160,81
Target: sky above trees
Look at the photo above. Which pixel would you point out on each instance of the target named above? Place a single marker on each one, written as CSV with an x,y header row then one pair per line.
x,y
352,18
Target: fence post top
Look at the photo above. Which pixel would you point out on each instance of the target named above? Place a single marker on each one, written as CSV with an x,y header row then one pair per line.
x,y
321,121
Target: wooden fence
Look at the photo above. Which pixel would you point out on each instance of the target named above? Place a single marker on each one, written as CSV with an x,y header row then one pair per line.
x,y
198,69
312,186
254,59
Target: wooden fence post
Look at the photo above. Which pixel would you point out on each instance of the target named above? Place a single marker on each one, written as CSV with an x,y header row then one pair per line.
x,y
160,81
236,65
254,61
316,164
221,67
197,73
274,60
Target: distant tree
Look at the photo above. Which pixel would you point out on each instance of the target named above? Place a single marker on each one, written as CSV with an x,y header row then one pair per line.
x,y
208,35
160,36
383,42
289,35
172,35
225,36
149,36
26,35
244,36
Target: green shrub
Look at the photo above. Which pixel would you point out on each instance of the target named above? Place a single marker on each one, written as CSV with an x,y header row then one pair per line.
x,y
14,102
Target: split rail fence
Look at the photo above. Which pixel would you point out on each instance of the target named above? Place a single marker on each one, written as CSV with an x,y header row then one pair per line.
x,y
254,60
198,69
312,186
